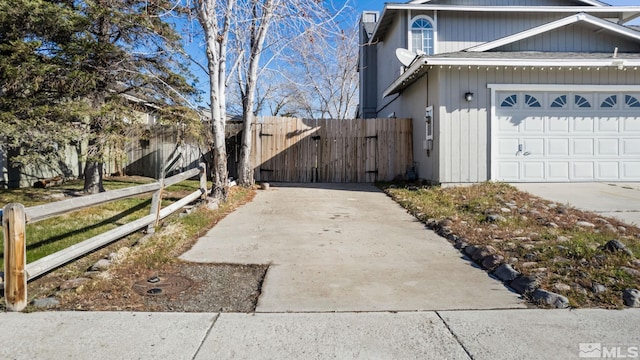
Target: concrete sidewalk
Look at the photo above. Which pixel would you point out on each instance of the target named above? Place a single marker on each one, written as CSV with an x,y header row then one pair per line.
x,y
347,247
484,334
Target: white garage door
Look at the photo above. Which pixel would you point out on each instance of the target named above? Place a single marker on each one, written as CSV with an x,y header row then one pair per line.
x,y
566,136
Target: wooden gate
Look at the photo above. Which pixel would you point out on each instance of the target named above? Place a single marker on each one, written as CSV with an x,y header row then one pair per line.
x,y
323,150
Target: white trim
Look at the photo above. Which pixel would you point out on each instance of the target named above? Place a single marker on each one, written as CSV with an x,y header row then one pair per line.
x,y
519,9
493,88
588,2
604,24
419,64
566,88
412,19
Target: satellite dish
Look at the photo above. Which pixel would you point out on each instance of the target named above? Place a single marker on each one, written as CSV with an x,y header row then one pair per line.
x,y
405,56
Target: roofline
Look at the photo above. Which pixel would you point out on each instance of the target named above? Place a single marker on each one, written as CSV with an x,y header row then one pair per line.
x,y
417,69
604,24
588,2
623,13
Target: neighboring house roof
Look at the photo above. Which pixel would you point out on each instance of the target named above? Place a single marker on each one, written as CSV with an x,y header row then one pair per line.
x,y
581,17
624,14
511,59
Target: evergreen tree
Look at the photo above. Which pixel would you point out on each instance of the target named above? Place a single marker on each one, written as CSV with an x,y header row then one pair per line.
x,y
81,57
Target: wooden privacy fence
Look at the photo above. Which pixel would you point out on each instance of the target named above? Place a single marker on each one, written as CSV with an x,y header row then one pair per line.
x,y
324,150
16,216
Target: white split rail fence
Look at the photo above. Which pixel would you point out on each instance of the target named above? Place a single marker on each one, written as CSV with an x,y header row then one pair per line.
x,y
15,217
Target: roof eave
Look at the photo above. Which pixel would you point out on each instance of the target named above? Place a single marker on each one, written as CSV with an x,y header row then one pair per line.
x,y
420,66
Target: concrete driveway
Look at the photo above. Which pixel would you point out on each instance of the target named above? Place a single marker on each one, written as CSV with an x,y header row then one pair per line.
x,y
335,247
619,200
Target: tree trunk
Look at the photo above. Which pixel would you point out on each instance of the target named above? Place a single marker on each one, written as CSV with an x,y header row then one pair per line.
x,y
93,177
245,167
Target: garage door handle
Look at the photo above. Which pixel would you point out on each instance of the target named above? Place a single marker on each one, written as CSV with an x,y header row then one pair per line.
x,y
526,153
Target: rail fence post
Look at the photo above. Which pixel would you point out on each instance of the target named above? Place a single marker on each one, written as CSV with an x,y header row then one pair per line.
x,y
15,257
203,180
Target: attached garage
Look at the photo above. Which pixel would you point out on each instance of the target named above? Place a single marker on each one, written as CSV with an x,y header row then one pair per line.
x,y
557,133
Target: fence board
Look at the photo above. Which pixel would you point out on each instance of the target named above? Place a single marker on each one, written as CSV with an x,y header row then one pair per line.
x,y
324,150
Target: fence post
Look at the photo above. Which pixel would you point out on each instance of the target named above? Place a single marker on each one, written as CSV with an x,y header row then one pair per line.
x,y
203,180
15,257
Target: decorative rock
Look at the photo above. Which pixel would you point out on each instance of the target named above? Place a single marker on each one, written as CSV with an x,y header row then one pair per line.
x,y
614,246
100,265
630,271
45,303
212,204
530,256
550,298
470,250
611,228
527,246
73,283
631,297
562,239
493,218
622,229
492,261
265,186
561,287
483,252
524,284
522,238
505,210
120,255
634,262
598,288
506,273
461,244
552,225
585,224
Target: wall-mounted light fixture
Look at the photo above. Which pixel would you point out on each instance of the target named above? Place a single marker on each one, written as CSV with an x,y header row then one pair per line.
x,y
468,96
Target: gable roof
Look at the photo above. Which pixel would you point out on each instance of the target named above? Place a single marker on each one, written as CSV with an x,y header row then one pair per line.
x,y
586,2
581,17
624,14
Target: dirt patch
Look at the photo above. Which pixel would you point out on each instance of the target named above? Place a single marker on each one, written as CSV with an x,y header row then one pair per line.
x,y
212,288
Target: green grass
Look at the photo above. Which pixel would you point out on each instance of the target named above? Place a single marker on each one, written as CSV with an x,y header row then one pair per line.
x,y
52,235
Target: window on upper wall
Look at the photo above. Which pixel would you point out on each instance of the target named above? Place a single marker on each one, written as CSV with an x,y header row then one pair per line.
x,y
422,34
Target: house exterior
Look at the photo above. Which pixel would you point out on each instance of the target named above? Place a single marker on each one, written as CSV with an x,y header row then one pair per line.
x,y
504,90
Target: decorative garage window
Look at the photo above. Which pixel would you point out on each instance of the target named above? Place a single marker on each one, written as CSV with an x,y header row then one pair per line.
x,y
510,101
559,102
531,101
582,102
610,102
631,101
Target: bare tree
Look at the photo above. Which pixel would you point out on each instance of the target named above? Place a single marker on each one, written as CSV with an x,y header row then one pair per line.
x,y
326,80
255,35
216,24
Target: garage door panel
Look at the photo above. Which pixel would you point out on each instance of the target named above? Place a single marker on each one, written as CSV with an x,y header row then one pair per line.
x,y
583,147
558,125
583,170
607,125
558,147
631,147
509,171
630,125
533,170
534,124
631,170
609,170
507,124
608,147
582,124
508,147
533,147
558,171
